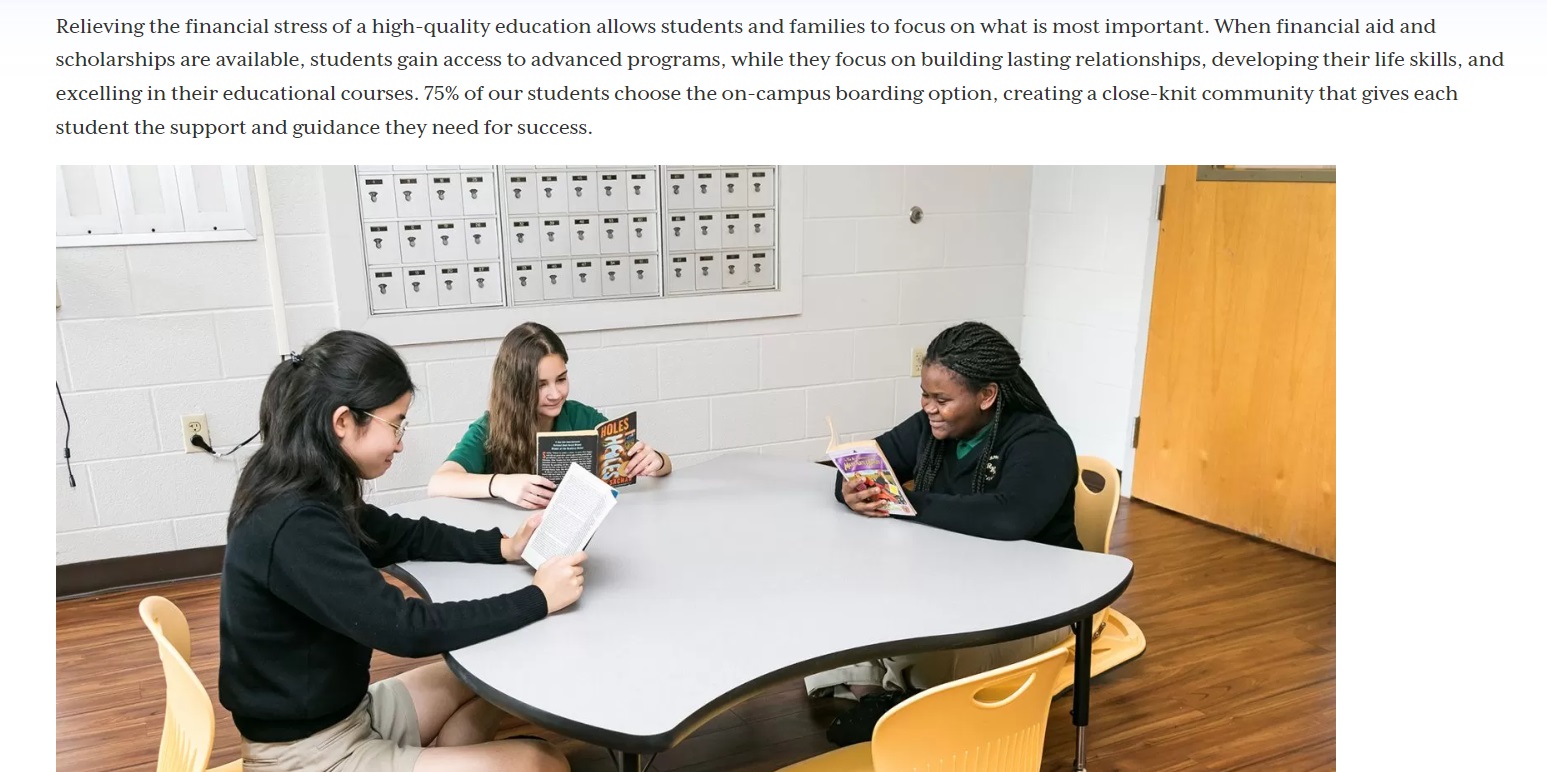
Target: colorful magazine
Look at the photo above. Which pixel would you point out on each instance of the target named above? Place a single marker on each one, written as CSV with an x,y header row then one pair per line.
x,y
864,460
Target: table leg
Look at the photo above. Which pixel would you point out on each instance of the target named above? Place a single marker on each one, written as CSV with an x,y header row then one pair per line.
x,y
628,762
1082,647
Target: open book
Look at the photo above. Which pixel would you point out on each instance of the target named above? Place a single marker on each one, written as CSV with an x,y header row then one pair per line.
x,y
602,451
863,459
574,513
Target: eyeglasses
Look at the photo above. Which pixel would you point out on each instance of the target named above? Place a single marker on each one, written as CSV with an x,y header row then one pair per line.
x,y
398,429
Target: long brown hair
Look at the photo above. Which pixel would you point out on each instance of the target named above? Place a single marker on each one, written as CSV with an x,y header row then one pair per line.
x,y
512,444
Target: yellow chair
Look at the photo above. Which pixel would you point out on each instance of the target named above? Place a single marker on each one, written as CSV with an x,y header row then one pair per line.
x,y
991,722
1116,638
188,737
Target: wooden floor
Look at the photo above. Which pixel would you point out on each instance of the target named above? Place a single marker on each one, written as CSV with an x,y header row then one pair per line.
x,y
1240,672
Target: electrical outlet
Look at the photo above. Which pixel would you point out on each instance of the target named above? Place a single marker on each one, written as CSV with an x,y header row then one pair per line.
x,y
195,424
917,368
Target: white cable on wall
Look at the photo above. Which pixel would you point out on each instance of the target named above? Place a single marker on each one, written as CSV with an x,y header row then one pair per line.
x,y
271,259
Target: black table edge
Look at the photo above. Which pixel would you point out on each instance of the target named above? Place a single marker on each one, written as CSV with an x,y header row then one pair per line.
x,y
650,744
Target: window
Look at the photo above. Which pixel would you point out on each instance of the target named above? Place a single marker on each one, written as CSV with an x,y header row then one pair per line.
x,y
107,205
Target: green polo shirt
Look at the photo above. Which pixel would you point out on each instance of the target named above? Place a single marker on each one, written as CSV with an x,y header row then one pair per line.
x,y
963,447
470,452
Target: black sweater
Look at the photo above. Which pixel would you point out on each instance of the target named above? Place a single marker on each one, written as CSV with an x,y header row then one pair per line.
x,y
1031,497
303,603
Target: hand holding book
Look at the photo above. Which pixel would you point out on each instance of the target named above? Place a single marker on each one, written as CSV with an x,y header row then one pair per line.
x,y
870,486
561,579
528,491
512,546
643,461
604,451
866,497
578,507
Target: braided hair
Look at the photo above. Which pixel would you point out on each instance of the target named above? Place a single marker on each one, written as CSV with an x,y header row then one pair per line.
x,y
978,355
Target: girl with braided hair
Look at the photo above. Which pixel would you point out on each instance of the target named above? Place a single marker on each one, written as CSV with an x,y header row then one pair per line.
x,y
984,453
986,459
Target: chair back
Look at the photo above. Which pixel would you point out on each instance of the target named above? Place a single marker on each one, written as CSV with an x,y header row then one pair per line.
x,y
1096,492
991,722
188,736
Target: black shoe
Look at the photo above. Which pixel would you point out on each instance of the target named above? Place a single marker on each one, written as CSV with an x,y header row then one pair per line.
x,y
857,725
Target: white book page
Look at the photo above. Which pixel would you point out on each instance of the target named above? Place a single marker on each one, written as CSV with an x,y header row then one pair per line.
x,y
574,513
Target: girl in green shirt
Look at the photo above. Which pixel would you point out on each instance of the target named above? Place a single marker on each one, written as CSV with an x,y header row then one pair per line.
x,y
529,394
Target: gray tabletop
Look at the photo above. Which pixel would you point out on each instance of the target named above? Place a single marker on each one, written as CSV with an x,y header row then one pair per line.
x,y
705,586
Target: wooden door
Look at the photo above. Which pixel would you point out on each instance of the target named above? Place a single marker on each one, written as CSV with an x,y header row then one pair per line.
x,y
1237,423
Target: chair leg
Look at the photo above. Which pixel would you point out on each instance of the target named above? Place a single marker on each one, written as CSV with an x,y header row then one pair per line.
x,y
1082,646
631,762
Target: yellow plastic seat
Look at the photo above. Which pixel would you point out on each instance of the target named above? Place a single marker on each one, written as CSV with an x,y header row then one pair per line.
x,y
850,758
991,722
188,736
1116,638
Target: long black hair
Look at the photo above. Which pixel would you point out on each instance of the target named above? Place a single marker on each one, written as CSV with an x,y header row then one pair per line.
x,y
978,355
300,452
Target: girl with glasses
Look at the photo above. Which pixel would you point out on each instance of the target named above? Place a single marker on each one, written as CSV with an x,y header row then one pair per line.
x,y
303,602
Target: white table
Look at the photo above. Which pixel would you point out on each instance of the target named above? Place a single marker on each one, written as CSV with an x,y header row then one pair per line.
x,y
707,586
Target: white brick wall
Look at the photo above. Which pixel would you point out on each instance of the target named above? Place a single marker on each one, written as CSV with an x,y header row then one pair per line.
x,y
196,277
150,333
862,405
93,282
110,354
759,418
963,293
627,375
165,486
61,368
1091,250
459,388
114,542
201,531
305,268
74,511
225,404
129,414
894,244
677,427
698,368
807,359
830,246
246,340
855,191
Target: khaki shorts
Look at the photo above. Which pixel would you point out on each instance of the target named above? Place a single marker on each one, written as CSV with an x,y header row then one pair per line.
x,y
382,735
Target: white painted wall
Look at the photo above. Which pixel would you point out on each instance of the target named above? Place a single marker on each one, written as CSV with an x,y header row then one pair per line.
x,y
148,333
1092,257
